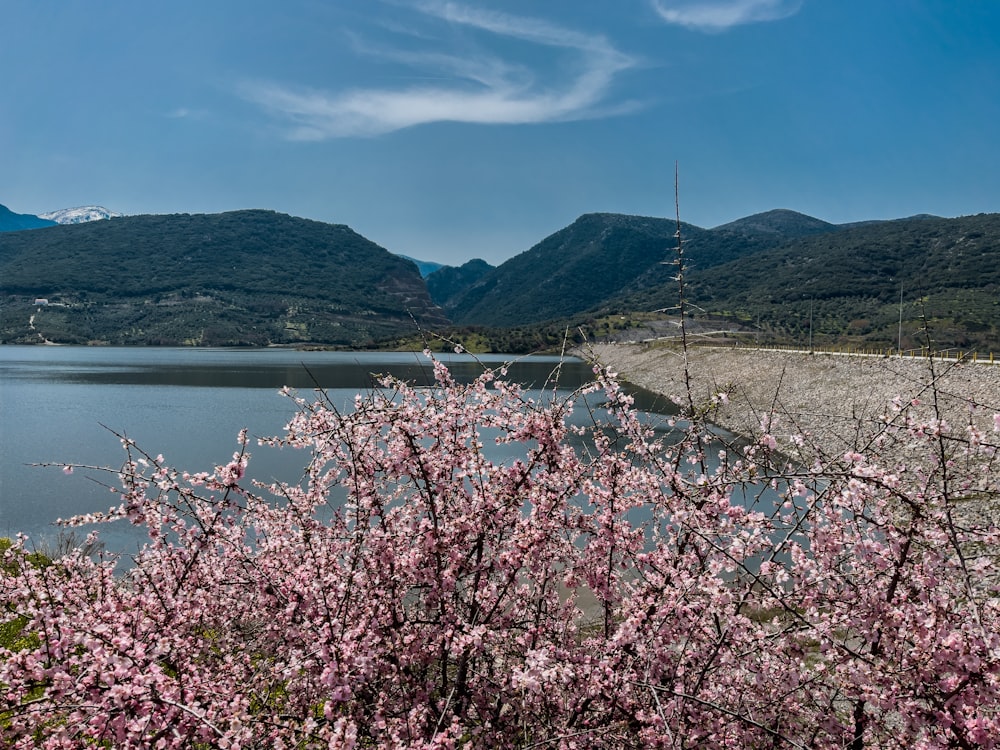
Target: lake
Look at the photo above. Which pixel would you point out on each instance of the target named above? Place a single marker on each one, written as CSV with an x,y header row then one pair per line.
x,y
60,405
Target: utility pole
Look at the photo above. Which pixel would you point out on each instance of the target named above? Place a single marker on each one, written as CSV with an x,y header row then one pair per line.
x,y
811,325
899,340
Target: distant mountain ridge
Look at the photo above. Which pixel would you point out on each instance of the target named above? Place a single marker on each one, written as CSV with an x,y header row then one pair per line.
x,y
14,222
79,215
426,267
448,281
781,222
258,277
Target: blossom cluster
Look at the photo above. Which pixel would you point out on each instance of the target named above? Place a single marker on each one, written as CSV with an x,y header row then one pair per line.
x,y
619,592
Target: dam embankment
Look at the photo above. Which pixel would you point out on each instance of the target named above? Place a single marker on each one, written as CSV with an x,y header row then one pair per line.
x,y
837,400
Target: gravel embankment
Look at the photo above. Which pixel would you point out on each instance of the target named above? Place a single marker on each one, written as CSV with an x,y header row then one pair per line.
x,y
832,398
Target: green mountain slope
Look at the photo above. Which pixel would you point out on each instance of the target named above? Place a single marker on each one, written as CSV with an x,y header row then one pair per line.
x,y
784,276
763,231
847,285
780,222
446,283
258,278
602,258
597,257
243,277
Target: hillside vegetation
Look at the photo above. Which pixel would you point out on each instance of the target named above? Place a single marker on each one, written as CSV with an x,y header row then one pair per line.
x,y
448,283
924,280
243,277
779,276
262,278
597,258
602,259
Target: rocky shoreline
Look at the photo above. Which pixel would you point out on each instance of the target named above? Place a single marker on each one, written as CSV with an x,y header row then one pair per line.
x,y
836,400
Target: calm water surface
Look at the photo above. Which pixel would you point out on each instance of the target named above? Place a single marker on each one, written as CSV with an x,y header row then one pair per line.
x,y
60,404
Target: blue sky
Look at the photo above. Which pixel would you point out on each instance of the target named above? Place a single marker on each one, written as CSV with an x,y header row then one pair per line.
x,y
452,130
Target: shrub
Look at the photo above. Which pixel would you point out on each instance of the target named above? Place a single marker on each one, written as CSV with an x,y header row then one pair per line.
x,y
622,592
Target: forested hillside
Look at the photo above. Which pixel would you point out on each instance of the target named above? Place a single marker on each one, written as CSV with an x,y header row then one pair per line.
x,y
601,259
447,283
596,258
242,277
261,278
779,276
940,278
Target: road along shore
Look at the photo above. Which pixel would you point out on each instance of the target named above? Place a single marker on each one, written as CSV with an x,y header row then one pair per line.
x,y
835,400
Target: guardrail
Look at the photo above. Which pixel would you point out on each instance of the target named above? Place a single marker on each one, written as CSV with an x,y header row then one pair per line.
x,y
859,351
707,339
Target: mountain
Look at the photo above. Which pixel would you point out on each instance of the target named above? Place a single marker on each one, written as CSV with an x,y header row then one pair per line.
x,y
80,215
242,277
12,222
445,283
907,281
602,258
426,267
786,276
879,221
780,222
259,278
753,234
597,257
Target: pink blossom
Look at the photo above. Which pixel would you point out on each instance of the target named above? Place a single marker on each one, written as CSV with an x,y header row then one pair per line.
x,y
619,592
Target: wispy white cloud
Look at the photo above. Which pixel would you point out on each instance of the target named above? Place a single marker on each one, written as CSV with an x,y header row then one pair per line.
x,y
719,15
484,87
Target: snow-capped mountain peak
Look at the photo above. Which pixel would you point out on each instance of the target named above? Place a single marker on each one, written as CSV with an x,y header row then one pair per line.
x,y
79,215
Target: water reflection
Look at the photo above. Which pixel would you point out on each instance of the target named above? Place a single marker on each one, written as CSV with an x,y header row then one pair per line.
x,y
60,405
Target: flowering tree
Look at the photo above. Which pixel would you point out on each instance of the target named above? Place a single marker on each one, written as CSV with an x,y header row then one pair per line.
x,y
626,593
